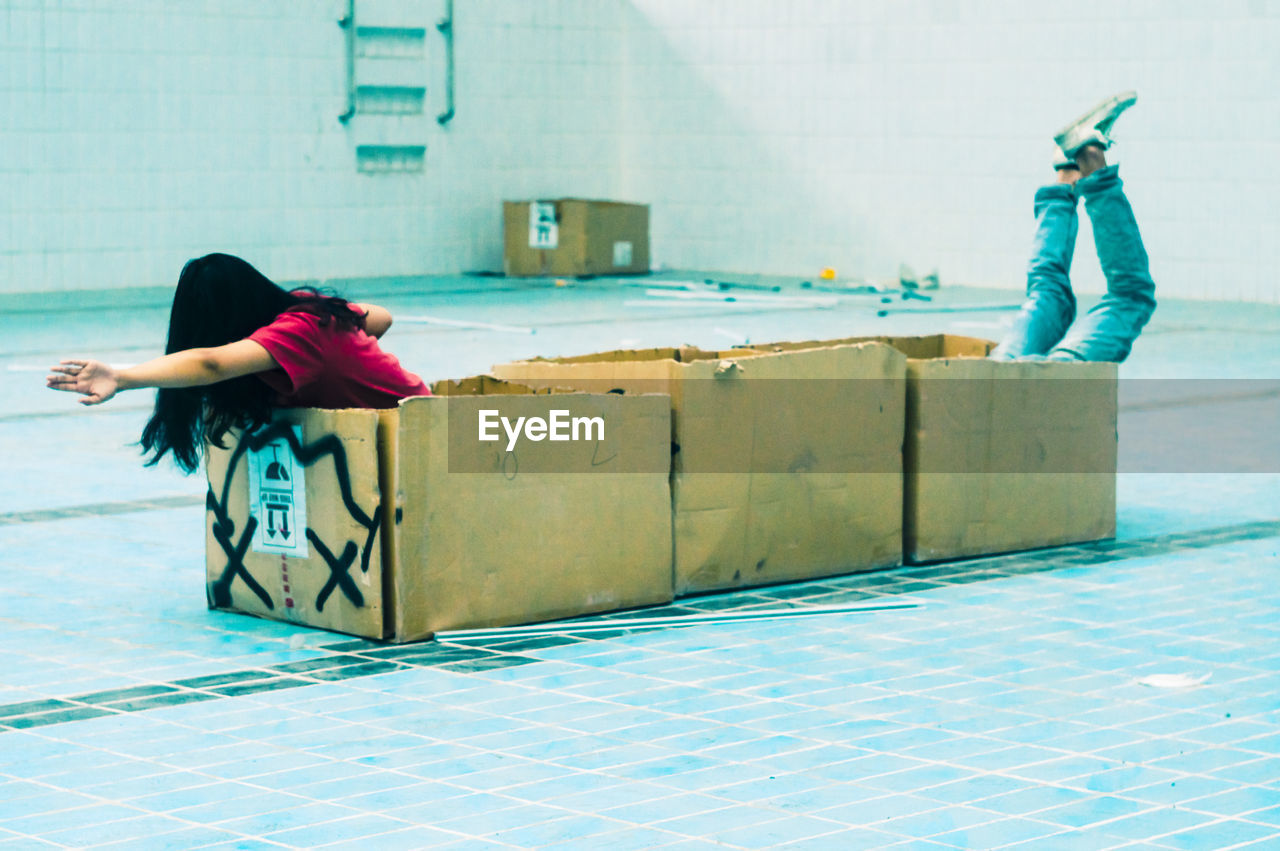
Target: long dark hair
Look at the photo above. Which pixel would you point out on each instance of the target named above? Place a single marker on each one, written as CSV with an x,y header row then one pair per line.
x,y
221,299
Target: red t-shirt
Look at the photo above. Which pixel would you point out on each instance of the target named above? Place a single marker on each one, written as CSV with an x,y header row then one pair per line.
x,y
324,366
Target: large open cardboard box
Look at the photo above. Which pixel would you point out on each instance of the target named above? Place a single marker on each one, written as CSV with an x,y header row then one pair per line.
x,y
1000,456
415,526
778,473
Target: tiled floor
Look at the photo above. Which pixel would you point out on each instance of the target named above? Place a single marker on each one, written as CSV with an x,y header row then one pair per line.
x,y
1001,709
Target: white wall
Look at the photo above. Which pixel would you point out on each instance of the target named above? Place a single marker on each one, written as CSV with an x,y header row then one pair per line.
x,y
538,116
140,133
769,137
784,137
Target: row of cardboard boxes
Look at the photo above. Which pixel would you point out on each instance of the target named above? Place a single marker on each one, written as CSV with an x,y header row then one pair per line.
x,y
694,471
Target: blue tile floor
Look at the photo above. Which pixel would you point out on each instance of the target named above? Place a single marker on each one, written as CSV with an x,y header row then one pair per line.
x,y
1003,711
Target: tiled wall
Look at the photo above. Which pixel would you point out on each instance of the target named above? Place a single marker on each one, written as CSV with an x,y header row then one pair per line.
x,y
790,136
538,116
775,137
140,133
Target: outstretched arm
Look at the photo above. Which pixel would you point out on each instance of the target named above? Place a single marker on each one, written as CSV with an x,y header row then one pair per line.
x,y
376,319
98,382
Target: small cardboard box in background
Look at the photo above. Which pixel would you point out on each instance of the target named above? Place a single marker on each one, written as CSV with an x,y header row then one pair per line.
x,y
574,237
776,476
416,527
1000,456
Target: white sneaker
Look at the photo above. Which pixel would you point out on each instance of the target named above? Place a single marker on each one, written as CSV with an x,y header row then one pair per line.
x,y
1093,127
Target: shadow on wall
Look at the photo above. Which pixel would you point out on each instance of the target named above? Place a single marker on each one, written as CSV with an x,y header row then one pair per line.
x,y
784,137
729,192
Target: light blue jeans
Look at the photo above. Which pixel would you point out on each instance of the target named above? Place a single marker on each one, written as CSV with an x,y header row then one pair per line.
x,y
1043,329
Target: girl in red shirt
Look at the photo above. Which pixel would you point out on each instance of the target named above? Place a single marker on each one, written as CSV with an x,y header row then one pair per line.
x,y
239,345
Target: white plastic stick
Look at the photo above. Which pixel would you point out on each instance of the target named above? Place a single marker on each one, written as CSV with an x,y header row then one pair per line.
x,y
748,298
613,625
464,323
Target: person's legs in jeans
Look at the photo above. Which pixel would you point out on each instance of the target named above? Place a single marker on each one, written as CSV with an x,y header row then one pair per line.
x,y
1107,331
1050,306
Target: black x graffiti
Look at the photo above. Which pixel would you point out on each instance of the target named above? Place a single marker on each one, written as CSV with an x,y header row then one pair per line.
x,y
220,590
224,526
338,575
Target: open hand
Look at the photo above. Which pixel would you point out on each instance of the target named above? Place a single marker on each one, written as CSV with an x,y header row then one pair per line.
x,y
95,380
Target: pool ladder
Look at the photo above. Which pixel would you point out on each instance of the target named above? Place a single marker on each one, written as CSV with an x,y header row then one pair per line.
x,y
389,52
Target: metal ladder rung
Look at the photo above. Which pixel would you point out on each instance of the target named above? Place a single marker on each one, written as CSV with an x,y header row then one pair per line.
x,y
390,100
391,42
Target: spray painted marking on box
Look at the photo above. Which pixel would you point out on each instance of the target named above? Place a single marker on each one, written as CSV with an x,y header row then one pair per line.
x,y
224,528
278,498
544,232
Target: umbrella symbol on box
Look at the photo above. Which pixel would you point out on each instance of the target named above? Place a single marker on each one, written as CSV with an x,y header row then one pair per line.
x,y
277,503
275,470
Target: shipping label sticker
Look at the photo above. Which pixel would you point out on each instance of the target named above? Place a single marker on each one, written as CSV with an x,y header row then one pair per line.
x,y
278,499
621,253
544,232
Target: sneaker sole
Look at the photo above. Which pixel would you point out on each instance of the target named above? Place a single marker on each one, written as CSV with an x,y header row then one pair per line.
x,y
1085,129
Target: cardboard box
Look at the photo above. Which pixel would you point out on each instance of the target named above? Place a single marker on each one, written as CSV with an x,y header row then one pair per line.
x,y
548,531
775,476
573,237
335,460
1000,456
415,526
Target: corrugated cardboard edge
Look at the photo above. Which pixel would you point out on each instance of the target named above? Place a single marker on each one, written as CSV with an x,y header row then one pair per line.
x,y
921,347
392,511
